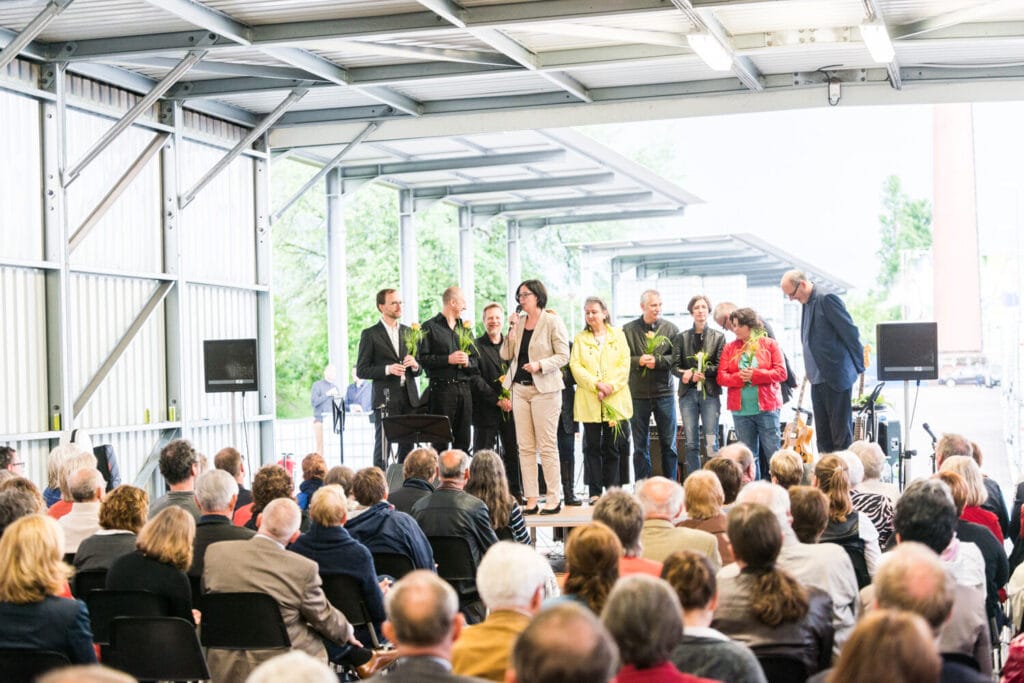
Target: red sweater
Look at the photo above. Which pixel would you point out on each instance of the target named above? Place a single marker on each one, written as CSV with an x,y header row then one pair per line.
x,y
768,375
973,513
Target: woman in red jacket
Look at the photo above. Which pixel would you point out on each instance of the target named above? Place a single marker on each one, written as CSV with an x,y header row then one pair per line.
x,y
752,368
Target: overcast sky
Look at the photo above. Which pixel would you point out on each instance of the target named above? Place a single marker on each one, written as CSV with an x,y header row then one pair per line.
x,y
810,181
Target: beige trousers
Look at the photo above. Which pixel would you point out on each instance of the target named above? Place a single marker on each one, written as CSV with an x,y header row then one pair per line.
x,y
536,416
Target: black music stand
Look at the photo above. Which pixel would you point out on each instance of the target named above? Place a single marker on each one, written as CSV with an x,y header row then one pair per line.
x,y
338,424
417,429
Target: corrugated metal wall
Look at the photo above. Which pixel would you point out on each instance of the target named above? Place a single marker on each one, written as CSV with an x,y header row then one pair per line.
x,y
217,243
128,237
219,235
21,234
23,351
102,309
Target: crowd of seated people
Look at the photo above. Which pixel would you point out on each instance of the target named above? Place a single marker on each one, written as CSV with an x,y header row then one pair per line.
x,y
724,577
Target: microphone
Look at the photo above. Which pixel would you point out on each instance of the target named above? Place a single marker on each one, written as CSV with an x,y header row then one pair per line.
x,y
519,308
930,432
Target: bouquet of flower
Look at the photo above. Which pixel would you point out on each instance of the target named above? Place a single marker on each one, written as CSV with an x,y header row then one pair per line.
x,y
413,338
503,393
614,418
654,342
464,332
751,346
701,359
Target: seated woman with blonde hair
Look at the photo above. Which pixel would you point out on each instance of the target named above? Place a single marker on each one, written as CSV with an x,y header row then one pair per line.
x,y
704,500
163,555
32,577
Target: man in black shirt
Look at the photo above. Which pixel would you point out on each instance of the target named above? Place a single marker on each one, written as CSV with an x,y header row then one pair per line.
x,y
492,414
449,368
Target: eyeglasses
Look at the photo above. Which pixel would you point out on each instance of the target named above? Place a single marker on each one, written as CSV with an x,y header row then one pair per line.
x,y
795,290
18,464
523,295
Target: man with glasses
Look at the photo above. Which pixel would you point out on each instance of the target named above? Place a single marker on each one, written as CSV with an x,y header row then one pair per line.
x,y
9,460
833,357
383,358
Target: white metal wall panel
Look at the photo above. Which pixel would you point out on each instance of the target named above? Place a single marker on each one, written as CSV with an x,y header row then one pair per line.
x,y
210,439
101,310
483,86
778,16
219,234
213,313
33,454
215,129
22,71
274,11
21,233
128,237
645,73
97,93
23,351
105,18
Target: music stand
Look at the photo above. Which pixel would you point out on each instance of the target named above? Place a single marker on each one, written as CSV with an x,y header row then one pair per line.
x,y
338,424
417,429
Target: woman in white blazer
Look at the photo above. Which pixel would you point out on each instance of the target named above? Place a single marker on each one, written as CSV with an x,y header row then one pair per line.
x,y
536,346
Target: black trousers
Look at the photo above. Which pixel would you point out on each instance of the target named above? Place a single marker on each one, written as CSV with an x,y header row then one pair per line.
x,y
455,401
601,455
501,437
833,418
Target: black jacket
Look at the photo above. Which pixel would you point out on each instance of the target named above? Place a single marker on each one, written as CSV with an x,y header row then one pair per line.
x,y
684,348
657,382
374,355
486,386
439,341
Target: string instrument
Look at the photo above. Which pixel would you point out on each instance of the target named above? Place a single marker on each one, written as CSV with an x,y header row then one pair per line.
x,y
860,422
798,434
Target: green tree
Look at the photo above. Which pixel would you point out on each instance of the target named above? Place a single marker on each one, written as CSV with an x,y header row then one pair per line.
x,y
905,224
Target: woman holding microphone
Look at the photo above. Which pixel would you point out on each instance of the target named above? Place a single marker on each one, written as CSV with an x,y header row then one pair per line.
x,y
600,364
536,347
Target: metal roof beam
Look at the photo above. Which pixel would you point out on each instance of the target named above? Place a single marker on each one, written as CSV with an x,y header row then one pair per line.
x,y
200,15
451,163
223,68
455,15
491,210
742,67
622,35
893,66
243,144
25,37
433,53
599,217
391,27
140,107
425,196
948,19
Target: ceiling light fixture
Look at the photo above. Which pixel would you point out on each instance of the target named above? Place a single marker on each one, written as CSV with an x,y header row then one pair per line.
x,y
876,37
710,50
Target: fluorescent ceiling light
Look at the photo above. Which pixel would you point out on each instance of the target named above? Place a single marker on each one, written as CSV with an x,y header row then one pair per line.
x,y
877,39
710,50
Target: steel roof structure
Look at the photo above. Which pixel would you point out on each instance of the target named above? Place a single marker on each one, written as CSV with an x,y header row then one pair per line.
x,y
762,263
314,71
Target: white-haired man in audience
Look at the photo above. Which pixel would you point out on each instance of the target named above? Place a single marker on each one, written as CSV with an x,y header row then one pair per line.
x,y
512,598
262,565
824,566
744,457
86,486
662,501
424,622
216,494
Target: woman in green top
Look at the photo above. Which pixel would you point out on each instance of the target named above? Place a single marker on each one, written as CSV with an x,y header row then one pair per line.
x,y
753,369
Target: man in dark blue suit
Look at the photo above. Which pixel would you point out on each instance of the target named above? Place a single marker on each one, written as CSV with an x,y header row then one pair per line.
x,y
833,357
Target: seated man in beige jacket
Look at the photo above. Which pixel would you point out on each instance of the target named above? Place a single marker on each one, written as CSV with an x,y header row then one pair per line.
x,y
662,500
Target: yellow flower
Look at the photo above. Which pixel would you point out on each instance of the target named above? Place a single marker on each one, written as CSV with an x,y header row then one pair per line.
x,y
468,325
612,423
650,335
414,326
501,380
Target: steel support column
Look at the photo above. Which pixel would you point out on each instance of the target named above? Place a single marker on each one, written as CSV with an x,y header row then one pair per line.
x,y
407,270
264,306
55,240
515,266
337,278
176,302
466,262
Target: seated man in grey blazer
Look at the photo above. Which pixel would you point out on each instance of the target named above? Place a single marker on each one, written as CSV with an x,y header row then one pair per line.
x,y
262,565
662,501
423,622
